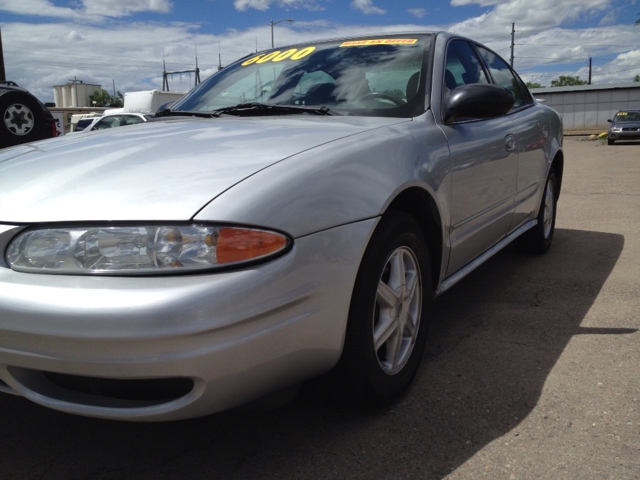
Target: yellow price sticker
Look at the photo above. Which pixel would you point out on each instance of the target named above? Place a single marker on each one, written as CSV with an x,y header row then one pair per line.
x,y
622,113
278,56
385,41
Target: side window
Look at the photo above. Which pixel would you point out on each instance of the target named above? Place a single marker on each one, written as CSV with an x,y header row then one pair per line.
x,y
132,119
463,66
108,122
503,76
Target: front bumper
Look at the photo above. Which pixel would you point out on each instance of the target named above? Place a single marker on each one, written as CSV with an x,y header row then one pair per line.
x,y
236,335
625,135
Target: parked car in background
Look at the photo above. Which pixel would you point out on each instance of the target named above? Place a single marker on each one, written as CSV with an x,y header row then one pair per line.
x,y
24,117
112,118
81,121
624,126
294,217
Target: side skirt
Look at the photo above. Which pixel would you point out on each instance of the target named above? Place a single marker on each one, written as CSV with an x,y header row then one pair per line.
x,y
449,282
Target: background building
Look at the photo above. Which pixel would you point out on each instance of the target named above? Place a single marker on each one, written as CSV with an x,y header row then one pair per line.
x,y
585,107
75,94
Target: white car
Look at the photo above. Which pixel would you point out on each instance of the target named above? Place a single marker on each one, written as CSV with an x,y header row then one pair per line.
x,y
112,118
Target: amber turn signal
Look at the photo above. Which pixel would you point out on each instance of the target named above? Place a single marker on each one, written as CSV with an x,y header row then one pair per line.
x,y
239,244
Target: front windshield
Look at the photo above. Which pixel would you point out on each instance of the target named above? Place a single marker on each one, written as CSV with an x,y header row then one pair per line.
x,y
374,77
627,117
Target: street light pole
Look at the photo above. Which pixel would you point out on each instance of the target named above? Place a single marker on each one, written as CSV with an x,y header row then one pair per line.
x,y
274,23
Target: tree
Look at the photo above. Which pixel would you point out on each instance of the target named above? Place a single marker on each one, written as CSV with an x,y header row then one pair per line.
x,y
534,85
564,81
103,98
636,78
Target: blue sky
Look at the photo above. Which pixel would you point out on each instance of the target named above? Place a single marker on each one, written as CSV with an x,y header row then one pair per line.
x,y
48,42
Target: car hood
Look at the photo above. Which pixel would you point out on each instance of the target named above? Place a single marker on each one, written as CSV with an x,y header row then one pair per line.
x,y
166,170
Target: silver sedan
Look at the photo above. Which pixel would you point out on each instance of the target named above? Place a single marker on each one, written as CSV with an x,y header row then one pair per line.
x,y
292,217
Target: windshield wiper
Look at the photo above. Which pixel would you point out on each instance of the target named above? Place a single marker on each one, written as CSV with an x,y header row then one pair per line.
x,y
266,109
167,112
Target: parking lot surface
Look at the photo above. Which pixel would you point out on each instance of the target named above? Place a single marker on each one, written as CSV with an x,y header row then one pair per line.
x,y
532,371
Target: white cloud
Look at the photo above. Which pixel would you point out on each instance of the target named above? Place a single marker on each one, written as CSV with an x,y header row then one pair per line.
x,y
482,3
38,56
120,8
263,5
608,19
36,7
366,6
417,12
90,9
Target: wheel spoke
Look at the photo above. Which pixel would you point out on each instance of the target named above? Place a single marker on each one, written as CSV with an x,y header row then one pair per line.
x,y
396,262
386,327
410,327
387,297
394,349
412,286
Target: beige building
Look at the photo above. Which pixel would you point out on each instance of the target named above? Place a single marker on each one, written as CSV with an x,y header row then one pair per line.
x,y
75,94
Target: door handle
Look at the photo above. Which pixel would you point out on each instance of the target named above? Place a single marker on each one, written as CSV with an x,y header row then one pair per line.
x,y
510,143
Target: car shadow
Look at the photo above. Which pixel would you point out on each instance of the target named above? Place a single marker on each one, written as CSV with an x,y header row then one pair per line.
x,y
494,339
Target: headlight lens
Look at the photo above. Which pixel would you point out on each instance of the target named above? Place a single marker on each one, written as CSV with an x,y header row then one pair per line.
x,y
616,129
140,250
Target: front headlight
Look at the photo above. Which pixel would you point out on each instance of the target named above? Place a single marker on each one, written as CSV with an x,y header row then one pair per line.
x,y
616,129
127,250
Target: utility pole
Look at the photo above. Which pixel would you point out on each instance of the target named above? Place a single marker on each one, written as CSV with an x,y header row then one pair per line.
x,y
589,83
513,39
3,76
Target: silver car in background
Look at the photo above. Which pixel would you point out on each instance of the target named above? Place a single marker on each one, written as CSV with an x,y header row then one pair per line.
x,y
291,217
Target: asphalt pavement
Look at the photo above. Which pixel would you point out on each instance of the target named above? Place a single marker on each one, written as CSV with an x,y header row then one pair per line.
x,y
532,371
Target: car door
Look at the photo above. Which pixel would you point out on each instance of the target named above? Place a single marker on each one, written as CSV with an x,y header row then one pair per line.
x,y
532,129
483,166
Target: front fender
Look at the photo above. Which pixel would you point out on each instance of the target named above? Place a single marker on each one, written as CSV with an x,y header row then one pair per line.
x,y
341,182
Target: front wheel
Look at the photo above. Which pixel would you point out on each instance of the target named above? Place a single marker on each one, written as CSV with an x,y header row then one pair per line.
x,y
610,142
539,238
387,325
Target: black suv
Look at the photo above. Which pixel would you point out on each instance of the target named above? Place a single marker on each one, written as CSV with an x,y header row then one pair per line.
x,y
23,117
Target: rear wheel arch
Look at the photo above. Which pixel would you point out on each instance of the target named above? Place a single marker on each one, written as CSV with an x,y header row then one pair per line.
x,y
421,206
558,167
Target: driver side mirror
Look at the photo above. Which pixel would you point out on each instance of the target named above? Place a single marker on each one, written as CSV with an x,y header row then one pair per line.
x,y
477,101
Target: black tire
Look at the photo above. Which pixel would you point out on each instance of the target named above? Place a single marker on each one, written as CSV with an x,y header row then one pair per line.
x,y
21,119
366,375
539,238
610,142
